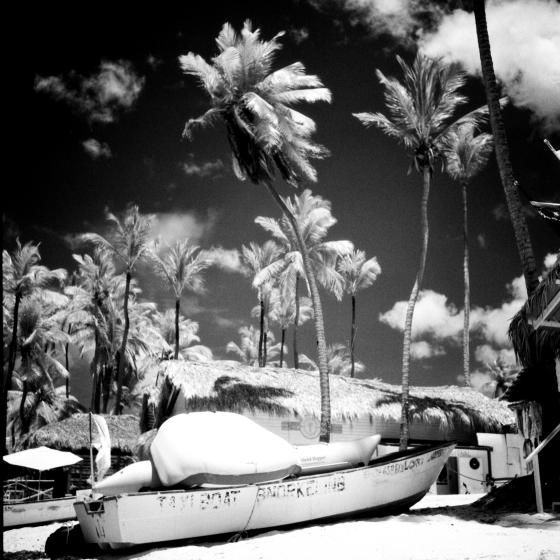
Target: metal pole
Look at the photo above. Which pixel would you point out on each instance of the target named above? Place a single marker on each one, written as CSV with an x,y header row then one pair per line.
x,y
92,474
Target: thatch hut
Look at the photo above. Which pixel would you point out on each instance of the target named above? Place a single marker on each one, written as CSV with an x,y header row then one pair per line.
x,y
535,335
287,402
72,434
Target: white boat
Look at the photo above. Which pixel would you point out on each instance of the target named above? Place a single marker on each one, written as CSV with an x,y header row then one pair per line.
x,y
389,484
39,513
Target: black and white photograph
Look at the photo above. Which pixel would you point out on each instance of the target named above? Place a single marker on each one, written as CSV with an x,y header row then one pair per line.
x,y
282,280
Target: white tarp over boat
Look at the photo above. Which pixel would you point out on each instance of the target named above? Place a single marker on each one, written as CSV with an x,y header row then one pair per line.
x,y
219,448
42,458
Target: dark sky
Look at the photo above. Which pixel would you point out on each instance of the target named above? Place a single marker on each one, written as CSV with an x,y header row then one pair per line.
x,y
58,187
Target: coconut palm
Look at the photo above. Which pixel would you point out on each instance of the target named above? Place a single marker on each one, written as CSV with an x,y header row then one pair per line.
x,y
21,276
509,183
128,244
265,134
248,348
39,337
188,349
340,362
420,112
181,266
314,218
502,376
255,258
465,155
284,309
358,274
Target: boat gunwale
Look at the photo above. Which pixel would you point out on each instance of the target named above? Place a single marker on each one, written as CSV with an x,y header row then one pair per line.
x,y
380,461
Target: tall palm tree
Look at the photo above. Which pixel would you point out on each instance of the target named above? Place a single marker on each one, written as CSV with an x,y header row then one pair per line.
x,y
340,362
248,348
507,177
181,266
465,155
314,218
188,349
127,243
284,311
358,274
21,276
255,257
420,113
266,135
39,335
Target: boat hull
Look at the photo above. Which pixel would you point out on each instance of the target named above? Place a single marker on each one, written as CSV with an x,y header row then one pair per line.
x,y
38,513
387,485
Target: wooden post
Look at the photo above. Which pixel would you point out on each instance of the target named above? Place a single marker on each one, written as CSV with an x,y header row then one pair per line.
x,y
538,490
92,474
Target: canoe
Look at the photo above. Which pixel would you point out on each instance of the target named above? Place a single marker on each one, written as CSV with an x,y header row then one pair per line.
x,y
388,484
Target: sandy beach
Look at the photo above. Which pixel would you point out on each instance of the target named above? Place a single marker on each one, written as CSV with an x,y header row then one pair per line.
x,y
437,528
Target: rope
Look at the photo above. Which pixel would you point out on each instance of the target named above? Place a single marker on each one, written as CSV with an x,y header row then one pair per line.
x,y
240,535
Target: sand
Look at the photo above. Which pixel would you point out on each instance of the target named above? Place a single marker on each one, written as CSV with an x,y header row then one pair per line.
x,y
430,531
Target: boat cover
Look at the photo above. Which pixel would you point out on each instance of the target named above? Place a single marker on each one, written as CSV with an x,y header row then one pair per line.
x,y
129,479
219,448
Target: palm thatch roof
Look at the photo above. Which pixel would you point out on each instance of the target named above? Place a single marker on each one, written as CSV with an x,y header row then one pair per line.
x,y
235,387
72,434
535,329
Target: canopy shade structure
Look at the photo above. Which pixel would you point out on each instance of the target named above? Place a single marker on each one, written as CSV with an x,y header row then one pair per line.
x,y
42,458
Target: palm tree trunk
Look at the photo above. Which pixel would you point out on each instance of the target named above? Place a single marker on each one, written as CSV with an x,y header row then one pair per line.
x,y
22,419
353,334
67,365
325,425
122,351
410,310
107,374
508,180
265,347
9,373
296,322
282,347
261,333
94,373
466,279
177,312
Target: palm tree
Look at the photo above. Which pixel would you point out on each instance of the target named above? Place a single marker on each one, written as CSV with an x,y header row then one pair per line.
x,y
314,218
181,266
420,111
21,275
248,348
465,155
39,334
502,374
188,349
127,243
256,257
266,135
340,362
284,310
358,274
509,183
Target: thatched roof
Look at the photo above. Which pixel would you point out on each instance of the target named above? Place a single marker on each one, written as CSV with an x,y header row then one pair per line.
x,y
72,434
535,330
235,387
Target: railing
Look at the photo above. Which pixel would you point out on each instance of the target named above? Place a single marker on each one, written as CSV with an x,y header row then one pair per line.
x,y
20,491
536,471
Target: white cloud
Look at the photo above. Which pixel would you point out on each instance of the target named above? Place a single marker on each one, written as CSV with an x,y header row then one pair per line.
x,y
229,260
433,316
173,226
525,42
550,260
96,149
400,19
205,169
422,349
481,239
100,97
486,354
